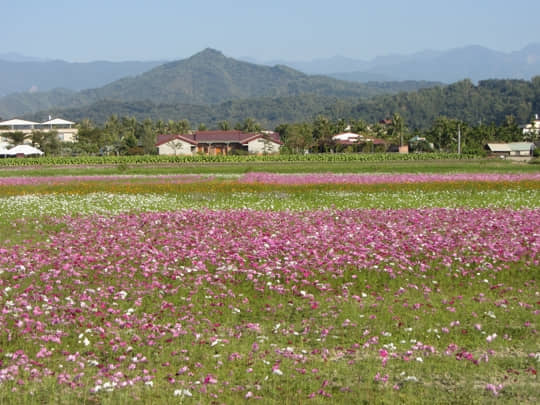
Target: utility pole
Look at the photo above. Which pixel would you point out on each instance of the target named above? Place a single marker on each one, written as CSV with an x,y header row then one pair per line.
x,y
458,140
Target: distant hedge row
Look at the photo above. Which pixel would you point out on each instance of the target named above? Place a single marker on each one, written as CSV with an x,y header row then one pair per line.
x,y
155,159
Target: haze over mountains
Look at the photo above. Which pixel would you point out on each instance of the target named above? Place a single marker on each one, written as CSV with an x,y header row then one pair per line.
x,y
209,87
19,73
208,77
471,62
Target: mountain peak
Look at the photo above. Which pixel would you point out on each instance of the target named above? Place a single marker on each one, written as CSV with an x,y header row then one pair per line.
x,y
208,53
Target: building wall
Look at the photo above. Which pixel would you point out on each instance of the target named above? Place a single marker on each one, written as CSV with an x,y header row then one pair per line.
x,y
67,134
175,147
64,134
259,146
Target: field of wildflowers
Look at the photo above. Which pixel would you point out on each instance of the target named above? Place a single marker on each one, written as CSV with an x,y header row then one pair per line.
x,y
270,289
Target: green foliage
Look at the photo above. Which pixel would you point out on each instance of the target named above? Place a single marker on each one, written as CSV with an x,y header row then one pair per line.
x,y
298,138
248,125
47,142
491,101
224,125
300,129
125,135
16,137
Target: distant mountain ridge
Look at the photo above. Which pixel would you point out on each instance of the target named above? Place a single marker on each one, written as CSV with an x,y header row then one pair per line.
x,y
22,74
473,62
17,57
208,77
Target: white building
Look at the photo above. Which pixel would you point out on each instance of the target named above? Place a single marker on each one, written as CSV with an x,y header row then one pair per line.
x,y
65,129
533,128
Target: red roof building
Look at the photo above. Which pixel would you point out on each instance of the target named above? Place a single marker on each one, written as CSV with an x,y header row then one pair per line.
x,y
218,143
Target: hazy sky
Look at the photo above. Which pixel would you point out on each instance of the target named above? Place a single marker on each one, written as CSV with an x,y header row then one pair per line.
x,y
84,30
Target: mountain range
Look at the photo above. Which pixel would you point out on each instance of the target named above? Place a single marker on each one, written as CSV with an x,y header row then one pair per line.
x,y
209,87
21,73
470,62
208,77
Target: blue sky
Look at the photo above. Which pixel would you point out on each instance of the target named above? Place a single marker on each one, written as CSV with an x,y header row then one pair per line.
x,y
84,30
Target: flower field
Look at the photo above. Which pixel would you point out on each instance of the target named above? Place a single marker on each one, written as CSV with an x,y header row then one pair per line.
x,y
325,178
270,289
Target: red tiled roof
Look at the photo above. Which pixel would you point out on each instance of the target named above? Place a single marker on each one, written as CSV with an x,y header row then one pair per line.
x,y
164,138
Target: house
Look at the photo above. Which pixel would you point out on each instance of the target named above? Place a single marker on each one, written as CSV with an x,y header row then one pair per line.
x,y
532,130
419,144
65,129
357,141
499,149
512,149
521,148
347,138
219,143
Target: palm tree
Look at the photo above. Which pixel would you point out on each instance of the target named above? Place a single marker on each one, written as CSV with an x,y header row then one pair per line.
x,y
224,125
397,127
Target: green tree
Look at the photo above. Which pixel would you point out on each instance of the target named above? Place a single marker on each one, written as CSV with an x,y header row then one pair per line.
x,y
112,135
443,134
298,138
46,141
322,134
161,128
16,137
129,144
148,137
89,138
248,125
179,127
339,126
397,128
359,126
224,125
509,131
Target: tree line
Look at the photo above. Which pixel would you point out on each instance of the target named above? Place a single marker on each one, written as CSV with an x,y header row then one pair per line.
x,y
489,101
128,136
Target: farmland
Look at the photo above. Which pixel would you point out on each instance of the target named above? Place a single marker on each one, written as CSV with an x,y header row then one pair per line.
x,y
418,284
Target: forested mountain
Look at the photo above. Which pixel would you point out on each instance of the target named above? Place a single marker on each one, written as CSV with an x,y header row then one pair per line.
x,y
210,77
206,78
268,111
491,101
24,75
210,87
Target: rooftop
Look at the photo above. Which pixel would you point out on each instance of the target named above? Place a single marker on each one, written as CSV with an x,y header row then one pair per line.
x,y
232,136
